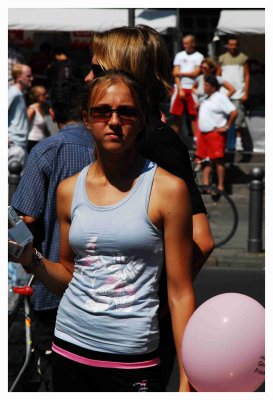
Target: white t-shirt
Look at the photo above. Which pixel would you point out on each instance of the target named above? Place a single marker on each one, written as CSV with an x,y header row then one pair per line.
x,y
188,63
214,112
233,72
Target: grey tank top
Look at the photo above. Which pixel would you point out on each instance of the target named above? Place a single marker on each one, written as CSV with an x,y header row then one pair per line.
x,y
111,303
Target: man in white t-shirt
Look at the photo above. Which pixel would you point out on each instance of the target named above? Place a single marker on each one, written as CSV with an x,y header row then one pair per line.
x,y
233,67
216,115
186,69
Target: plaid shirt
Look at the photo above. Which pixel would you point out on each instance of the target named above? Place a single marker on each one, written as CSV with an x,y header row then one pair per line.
x,y
50,161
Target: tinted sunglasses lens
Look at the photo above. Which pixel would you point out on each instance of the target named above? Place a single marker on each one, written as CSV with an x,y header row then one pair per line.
x,y
97,70
99,113
128,113
104,114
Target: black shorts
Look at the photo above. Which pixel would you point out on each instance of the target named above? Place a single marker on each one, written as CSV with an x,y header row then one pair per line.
x,y
72,376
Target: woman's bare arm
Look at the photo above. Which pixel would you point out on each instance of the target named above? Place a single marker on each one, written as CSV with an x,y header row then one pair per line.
x,y
177,221
203,242
30,113
56,276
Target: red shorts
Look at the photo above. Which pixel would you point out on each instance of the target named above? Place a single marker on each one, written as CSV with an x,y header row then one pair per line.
x,y
178,105
211,144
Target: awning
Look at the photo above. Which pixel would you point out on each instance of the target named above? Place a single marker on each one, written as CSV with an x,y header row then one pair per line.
x,y
241,22
86,19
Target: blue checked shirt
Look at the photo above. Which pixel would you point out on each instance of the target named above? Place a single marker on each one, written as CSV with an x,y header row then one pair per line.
x,y
50,161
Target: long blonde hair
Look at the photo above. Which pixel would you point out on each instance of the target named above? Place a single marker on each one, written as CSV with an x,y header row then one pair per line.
x,y
140,51
212,65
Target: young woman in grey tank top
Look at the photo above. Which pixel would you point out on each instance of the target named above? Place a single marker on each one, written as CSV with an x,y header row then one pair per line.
x,y
119,218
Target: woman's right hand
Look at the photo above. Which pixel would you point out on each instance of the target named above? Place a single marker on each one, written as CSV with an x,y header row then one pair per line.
x,y
26,257
182,94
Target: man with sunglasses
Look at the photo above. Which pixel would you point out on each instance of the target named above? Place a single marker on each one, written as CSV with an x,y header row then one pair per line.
x,y
51,161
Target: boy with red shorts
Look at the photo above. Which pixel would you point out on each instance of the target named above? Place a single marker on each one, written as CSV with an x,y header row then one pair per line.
x,y
216,115
186,69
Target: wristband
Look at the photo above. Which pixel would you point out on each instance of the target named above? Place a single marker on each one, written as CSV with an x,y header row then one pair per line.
x,y
37,259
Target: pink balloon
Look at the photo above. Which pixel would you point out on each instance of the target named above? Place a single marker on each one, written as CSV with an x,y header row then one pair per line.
x,y
223,347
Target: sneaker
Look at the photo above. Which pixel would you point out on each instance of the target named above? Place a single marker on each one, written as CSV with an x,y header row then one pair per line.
x,y
215,193
239,144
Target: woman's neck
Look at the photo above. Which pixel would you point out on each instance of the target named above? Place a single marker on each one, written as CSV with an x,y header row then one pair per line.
x,y
119,165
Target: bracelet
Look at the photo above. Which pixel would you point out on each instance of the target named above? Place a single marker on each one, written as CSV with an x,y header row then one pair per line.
x,y
37,259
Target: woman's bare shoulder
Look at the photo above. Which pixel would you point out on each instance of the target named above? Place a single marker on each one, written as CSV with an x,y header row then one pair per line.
x,y
66,187
168,182
171,192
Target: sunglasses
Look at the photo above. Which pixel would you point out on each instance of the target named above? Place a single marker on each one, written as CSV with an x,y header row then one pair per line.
x,y
97,70
103,114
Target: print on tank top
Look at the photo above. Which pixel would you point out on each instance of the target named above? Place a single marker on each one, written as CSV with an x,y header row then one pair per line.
x,y
117,292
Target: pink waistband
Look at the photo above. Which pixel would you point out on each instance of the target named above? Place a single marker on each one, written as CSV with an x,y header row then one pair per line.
x,y
105,364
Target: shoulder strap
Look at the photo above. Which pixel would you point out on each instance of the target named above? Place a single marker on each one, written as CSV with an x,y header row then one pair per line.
x,y
148,180
79,190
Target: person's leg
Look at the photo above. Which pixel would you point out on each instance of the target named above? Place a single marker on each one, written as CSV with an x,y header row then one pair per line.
x,y
70,376
193,128
220,170
43,324
203,151
191,111
176,110
130,380
242,129
231,138
201,148
206,174
239,122
216,143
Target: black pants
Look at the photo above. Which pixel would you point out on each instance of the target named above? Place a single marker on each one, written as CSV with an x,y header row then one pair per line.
x,y
43,323
71,376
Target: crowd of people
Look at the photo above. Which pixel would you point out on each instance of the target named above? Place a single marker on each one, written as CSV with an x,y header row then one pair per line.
x,y
213,117
120,228
28,103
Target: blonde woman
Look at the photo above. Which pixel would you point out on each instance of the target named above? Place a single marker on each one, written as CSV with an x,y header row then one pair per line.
x,y
209,68
142,52
120,217
36,115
